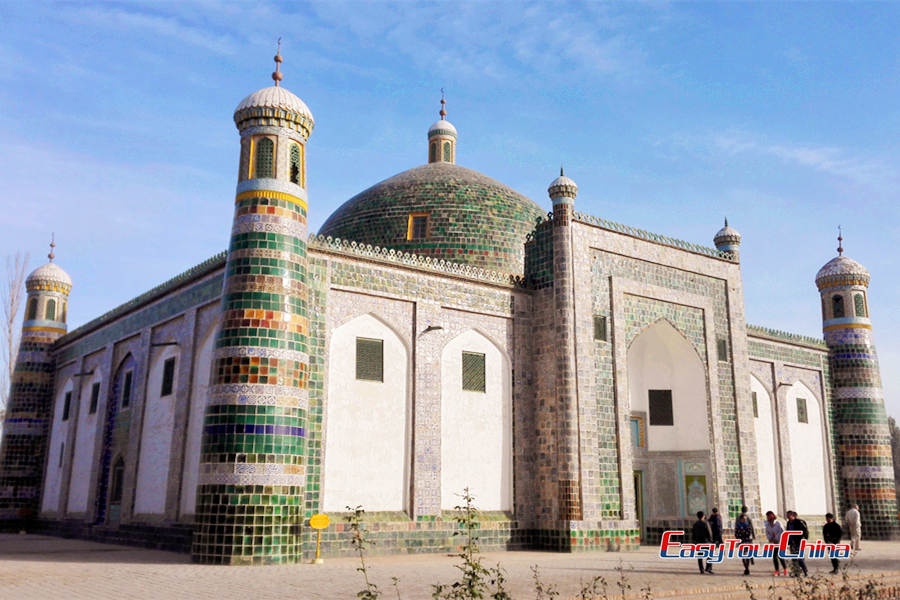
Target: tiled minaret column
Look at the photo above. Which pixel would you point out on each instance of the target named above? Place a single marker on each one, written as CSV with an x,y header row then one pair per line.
x,y
563,191
252,480
863,438
30,404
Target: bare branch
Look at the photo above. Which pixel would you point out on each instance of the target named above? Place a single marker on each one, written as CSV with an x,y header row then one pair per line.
x,y
11,295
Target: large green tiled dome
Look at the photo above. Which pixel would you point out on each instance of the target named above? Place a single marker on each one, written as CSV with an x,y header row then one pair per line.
x,y
471,218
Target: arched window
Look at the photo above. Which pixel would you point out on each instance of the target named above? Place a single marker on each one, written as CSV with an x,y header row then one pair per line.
x,y
295,164
265,158
432,152
860,305
116,481
837,306
447,152
32,310
50,313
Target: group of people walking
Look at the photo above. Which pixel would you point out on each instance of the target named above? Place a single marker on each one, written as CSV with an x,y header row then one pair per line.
x,y
709,530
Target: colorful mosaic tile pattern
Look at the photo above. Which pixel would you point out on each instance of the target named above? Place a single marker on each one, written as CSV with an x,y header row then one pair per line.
x,y
30,407
252,479
863,438
472,218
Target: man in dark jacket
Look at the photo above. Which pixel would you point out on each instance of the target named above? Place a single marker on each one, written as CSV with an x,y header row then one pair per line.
x,y
831,533
715,523
702,534
795,524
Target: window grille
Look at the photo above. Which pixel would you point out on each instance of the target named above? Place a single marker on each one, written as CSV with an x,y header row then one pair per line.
x,y
722,346
265,158
50,314
660,402
95,397
295,164
473,372
418,227
802,416
860,305
369,359
66,402
168,381
837,307
600,332
126,390
117,476
32,309
447,152
432,152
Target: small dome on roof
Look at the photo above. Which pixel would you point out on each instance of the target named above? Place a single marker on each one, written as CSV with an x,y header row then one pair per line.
x,y
51,273
275,97
562,187
442,126
727,236
842,270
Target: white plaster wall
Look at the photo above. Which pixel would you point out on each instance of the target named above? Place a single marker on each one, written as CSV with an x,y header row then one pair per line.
x,y
58,432
367,423
156,437
199,387
806,452
660,358
476,427
80,479
765,447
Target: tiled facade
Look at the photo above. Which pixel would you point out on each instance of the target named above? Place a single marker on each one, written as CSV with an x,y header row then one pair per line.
x,y
236,452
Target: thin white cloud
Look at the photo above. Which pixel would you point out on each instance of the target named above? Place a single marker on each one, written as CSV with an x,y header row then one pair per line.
x,y
123,21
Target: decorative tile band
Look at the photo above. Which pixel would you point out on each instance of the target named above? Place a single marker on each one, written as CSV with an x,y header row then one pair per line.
x,y
271,194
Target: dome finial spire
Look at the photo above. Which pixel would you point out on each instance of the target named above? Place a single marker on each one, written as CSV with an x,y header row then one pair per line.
x,y
51,256
840,242
277,76
726,221
561,173
443,106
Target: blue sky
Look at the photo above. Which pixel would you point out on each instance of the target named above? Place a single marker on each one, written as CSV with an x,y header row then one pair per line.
x,y
116,130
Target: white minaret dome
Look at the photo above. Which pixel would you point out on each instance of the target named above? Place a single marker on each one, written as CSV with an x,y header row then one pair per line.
x,y
443,126
842,270
275,97
562,187
727,236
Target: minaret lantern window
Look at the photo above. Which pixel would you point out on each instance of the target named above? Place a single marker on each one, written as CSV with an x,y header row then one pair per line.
x,y
837,306
265,158
295,164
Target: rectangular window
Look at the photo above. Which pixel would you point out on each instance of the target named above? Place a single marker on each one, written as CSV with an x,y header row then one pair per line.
x,y
95,397
62,449
661,407
473,377
723,349
168,377
755,405
802,417
66,402
600,328
417,228
126,390
369,359
637,431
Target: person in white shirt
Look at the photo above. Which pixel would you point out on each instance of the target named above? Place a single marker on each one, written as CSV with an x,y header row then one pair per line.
x,y
853,522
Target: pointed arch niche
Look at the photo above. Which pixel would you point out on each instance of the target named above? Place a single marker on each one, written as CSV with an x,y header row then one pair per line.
x,y
764,424
199,393
476,426
56,450
660,358
807,452
367,422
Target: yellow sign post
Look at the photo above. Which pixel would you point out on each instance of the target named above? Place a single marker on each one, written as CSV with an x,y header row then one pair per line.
x,y
319,522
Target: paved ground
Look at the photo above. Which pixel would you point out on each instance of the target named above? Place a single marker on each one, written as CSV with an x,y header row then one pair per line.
x,y
34,566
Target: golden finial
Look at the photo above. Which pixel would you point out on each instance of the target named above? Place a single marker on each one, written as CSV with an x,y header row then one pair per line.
x,y
277,76
51,256
840,242
443,103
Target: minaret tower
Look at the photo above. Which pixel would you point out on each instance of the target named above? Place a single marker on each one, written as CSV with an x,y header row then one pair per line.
x,y
31,392
861,429
252,480
442,138
728,240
